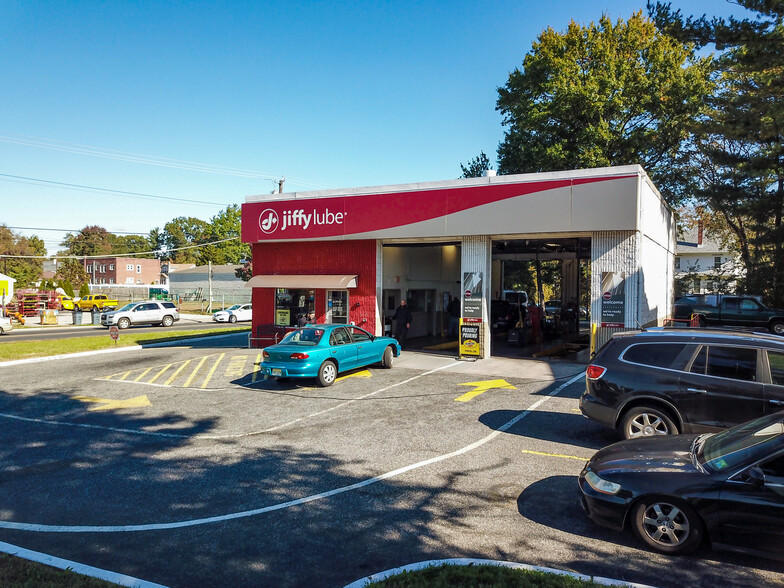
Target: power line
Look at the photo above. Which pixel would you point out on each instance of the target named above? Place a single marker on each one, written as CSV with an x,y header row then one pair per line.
x,y
69,230
158,251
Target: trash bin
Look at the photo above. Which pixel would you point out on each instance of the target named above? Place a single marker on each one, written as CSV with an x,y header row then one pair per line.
x,y
96,318
77,318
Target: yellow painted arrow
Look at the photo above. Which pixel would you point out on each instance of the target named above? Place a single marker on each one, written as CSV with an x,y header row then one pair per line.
x,y
110,404
482,387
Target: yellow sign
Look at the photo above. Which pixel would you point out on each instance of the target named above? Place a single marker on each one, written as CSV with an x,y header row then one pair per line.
x,y
482,387
282,316
469,339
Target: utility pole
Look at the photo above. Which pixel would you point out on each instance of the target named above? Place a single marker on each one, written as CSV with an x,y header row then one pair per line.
x,y
280,184
209,282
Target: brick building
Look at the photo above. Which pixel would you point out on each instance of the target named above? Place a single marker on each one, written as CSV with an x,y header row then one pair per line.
x,y
123,271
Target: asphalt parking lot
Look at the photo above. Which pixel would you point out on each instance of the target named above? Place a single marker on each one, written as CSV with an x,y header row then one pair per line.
x,y
183,466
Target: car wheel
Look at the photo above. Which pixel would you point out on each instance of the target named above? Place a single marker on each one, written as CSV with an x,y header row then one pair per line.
x,y
123,323
389,358
167,321
95,309
327,373
666,525
777,327
232,318
644,421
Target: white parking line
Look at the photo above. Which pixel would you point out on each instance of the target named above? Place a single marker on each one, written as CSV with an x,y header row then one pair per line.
x,y
283,505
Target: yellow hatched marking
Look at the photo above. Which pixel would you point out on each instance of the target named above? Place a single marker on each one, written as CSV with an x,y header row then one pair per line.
x,y
144,373
555,455
111,404
125,375
256,368
212,371
160,373
362,374
236,365
176,373
193,373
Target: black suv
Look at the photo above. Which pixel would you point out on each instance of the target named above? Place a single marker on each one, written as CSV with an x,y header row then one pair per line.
x,y
664,381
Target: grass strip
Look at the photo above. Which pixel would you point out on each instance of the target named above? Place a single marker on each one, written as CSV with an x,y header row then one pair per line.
x,y
21,573
30,349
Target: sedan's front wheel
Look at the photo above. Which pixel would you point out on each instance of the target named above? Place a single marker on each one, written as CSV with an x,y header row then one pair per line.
x,y
232,318
644,421
667,526
389,358
327,374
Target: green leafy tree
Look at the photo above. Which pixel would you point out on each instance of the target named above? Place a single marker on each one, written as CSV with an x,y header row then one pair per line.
x,y
245,272
71,271
223,232
739,157
127,244
91,240
477,167
27,271
84,290
605,94
181,232
67,288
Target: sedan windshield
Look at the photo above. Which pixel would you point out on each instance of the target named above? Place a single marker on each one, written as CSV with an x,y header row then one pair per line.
x,y
235,307
303,337
742,445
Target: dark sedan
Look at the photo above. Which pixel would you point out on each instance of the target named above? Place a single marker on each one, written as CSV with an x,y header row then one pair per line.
x,y
674,491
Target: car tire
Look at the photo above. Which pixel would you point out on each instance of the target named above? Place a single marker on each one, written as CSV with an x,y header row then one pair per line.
x,y
96,309
123,323
388,359
667,525
327,374
645,421
167,321
232,318
777,327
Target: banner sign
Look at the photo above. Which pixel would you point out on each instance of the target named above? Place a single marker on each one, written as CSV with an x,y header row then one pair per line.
x,y
469,339
472,294
613,299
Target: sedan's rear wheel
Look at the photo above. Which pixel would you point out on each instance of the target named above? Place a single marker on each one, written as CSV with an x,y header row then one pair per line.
x,y
667,525
167,321
123,323
644,421
327,374
389,358
777,327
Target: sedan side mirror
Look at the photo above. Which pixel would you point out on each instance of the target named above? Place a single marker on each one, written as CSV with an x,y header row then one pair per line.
x,y
756,476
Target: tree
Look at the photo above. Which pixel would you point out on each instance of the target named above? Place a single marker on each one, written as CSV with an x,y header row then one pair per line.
x,y
224,226
71,271
739,147
127,244
605,94
245,272
91,240
476,167
25,270
181,232
84,290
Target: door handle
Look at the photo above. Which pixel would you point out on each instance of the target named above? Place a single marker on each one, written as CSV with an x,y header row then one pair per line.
x,y
697,390
776,401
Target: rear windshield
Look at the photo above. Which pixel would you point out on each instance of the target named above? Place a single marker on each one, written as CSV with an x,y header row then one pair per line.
x,y
303,337
169,305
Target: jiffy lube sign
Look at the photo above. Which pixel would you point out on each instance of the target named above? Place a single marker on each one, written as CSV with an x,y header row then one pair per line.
x,y
271,222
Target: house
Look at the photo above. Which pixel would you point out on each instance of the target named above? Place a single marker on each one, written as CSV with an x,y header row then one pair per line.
x,y
6,288
705,264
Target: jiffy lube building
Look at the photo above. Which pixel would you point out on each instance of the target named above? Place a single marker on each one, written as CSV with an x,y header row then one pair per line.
x,y
351,256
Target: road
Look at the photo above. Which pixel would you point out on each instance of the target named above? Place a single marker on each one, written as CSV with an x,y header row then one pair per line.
x,y
182,466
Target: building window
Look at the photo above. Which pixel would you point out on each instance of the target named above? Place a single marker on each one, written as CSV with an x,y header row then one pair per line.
x,y
717,262
129,267
709,285
138,269
111,280
677,263
139,281
697,285
129,280
103,268
111,267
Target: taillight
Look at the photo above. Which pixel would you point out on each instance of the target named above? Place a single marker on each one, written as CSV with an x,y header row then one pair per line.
x,y
594,372
299,356
266,354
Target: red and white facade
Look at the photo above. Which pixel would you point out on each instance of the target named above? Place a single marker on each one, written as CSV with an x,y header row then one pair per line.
x,y
321,238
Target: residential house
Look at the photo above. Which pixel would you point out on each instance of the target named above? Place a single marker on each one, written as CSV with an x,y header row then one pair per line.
x,y
709,267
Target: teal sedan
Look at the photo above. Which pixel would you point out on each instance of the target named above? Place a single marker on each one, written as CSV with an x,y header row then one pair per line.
x,y
323,351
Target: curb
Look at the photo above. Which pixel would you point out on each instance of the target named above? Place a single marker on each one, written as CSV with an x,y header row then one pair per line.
x,y
490,562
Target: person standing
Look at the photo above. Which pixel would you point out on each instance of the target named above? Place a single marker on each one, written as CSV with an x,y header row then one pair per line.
x,y
453,308
402,319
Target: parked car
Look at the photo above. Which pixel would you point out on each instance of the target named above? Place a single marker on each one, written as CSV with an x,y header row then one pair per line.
x,y
232,314
68,303
147,312
674,492
6,326
728,310
552,314
95,302
665,381
323,351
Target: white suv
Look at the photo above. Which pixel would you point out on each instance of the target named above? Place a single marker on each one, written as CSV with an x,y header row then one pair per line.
x,y
147,312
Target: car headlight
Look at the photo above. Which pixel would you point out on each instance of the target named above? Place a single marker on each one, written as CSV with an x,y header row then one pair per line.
x,y
603,486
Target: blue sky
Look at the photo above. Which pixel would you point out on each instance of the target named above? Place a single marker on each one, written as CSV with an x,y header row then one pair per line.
x,y
128,114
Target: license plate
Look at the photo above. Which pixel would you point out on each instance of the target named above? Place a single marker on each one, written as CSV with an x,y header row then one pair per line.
x,y
277,372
